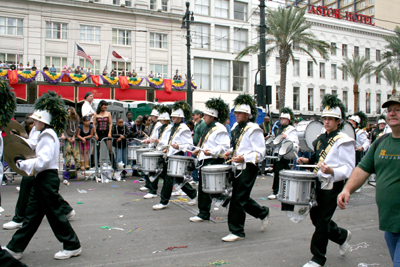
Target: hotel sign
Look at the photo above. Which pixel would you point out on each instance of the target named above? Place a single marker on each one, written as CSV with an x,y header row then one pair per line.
x,y
335,13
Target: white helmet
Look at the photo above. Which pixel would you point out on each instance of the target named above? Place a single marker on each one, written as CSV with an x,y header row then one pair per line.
x,y
42,116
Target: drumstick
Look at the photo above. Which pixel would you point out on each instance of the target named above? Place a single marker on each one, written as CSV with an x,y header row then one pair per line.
x,y
139,139
232,159
199,148
314,166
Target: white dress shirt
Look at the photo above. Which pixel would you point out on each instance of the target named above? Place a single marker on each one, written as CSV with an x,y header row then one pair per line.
x,y
218,142
182,136
87,110
362,139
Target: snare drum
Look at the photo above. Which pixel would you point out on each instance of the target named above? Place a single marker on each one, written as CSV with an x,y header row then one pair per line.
x,y
152,161
132,152
278,141
139,153
269,141
178,165
297,187
289,150
215,178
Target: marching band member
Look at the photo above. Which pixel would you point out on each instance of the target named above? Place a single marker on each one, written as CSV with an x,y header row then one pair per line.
x,y
289,133
179,140
214,142
359,120
334,153
378,131
164,119
247,150
44,198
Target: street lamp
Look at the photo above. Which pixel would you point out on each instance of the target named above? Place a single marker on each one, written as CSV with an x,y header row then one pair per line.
x,y
186,20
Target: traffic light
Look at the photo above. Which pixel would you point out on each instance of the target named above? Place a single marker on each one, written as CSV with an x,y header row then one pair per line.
x,y
263,95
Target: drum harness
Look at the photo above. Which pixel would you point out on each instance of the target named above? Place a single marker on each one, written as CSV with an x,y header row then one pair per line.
x,y
242,132
203,142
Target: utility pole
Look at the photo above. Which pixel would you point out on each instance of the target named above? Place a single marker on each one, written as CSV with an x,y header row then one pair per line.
x,y
186,20
263,62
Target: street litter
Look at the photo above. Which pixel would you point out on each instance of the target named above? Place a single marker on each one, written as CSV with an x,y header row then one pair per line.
x,y
82,191
361,245
218,262
171,248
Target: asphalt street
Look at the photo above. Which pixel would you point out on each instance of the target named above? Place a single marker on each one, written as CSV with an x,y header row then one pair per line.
x,y
141,236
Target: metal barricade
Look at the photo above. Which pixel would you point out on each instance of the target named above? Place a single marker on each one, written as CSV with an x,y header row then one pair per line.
x,y
8,174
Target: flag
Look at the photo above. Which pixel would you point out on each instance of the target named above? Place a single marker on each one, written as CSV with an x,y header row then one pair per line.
x,y
13,76
123,82
168,85
82,53
95,79
116,55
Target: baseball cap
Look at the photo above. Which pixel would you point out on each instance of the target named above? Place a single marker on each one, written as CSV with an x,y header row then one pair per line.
x,y
394,99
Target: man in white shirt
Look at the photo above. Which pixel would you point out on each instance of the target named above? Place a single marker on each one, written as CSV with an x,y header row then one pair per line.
x,y
87,108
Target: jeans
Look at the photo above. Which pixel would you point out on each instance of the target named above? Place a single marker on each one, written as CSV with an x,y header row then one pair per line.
x,y
393,243
122,155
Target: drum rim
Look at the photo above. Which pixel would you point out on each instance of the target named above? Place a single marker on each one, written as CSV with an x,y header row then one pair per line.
x,y
153,153
302,173
180,157
210,167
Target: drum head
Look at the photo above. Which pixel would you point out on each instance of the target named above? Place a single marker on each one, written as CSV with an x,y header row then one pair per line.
x,y
144,150
299,174
313,130
286,148
269,140
216,167
278,139
301,126
153,154
349,130
181,157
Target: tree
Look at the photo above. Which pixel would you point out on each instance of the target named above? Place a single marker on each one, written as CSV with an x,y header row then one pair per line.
x,y
286,32
357,68
392,75
392,56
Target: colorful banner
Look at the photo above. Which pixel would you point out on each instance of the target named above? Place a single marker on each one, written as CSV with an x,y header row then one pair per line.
x,y
3,74
194,85
98,93
27,76
168,85
109,80
13,76
135,81
65,78
66,92
77,78
95,79
123,82
163,96
52,77
20,90
130,94
155,82
178,84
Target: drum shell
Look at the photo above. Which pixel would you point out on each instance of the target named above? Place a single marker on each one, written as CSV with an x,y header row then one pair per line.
x,y
278,141
151,161
140,152
294,148
178,165
215,178
297,187
307,132
269,141
132,152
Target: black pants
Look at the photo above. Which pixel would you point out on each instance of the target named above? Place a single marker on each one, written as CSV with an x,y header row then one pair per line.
x,y
44,200
282,164
152,186
204,199
23,198
242,203
325,228
6,260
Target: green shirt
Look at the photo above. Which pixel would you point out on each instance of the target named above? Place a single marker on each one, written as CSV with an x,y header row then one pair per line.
x,y
198,130
385,162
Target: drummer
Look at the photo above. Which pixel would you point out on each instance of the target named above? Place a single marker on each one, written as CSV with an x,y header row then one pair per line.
x,y
305,154
164,119
289,133
334,154
179,140
247,150
378,131
214,142
359,120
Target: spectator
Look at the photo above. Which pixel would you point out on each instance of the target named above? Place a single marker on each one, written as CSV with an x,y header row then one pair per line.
x,y
128,73
113,73
88,73
28,67
134,74
34,68
87,108
176,77
28,125
45,68
85,133
65,78
129,122
77,70
13,67
190,124
105,72
122,73
1,64
71,148
159,76
199,125
228,127
26,117
102,123
53,69
6,66
137,130
64,69
151,75
266,126
120,133
70,70
21,67
147,122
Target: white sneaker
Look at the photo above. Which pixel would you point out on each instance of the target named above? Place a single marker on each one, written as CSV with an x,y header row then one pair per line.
x,y
194,200
66,254
159,206
143,188
344,248
264,223
1,209
71,215
12,225
149,195
16,255
232,238
193,183
18,188
272,196
178,193
196,219
311,264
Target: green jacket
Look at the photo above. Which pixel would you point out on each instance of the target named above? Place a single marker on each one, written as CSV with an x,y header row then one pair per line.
x,y
198,129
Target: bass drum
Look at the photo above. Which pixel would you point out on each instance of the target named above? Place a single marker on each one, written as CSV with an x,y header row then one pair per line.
x,y
349,130
308,131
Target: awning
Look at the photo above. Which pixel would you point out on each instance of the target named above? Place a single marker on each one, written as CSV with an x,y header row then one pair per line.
x,y
130,94
98,92
66,92
20,90
163,96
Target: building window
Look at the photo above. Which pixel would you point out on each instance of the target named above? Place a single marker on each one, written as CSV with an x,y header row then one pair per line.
x,y
164,5
334,92
95,69
345,100
378,103
321,96
121,37
221,38
56,30
202,7
368,103
277,96
296,67
202,73
278,66
344,50
322,70
344,76
153,4
378,79
367,53
345,2
202,36
333,72
371,10
239,76
296,98
119,66
221,9
11,58
357,51
58,62
333,49
310,99
161,69
116,2
11,26
240,11
362,4
90,34
378,55
127,3
371,1
158,40
221,75
240,40
310,66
